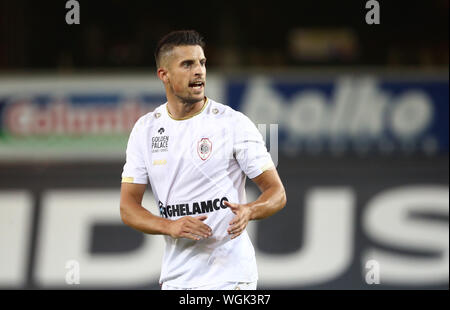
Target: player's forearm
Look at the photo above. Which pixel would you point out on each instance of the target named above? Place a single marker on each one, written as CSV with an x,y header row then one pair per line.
x,y
137,217
268,203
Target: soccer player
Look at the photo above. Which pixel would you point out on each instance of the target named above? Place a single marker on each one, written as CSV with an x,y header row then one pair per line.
x,y
196,153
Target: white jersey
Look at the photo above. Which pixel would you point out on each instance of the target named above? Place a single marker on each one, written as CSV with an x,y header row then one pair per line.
x,y
194,165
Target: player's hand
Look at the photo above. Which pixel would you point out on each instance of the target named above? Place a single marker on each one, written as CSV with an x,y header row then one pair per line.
x,y
240,221
190,227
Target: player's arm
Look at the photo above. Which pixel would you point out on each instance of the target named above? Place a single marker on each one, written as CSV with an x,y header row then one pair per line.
x,y
271,200
136,216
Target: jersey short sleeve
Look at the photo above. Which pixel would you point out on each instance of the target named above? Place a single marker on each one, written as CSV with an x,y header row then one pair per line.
x,y
249,147
134,170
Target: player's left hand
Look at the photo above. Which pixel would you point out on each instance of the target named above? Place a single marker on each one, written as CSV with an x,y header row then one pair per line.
x,y
240,221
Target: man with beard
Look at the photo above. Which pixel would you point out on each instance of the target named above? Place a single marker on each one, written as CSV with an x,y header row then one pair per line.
x,y
196,153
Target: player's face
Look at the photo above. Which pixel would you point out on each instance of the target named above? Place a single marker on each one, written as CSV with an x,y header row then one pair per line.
x,y
187,73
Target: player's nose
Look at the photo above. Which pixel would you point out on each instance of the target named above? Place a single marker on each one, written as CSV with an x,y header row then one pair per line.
x,y
199,70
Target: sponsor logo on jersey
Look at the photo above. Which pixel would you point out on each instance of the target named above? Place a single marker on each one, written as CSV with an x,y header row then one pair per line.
x,y
199,207
158,162
204,148
160,143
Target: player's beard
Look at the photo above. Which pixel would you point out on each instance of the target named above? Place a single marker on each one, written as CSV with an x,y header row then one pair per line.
x,y
188,99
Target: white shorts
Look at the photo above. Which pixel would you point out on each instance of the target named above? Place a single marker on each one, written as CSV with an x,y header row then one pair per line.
x,y
218,286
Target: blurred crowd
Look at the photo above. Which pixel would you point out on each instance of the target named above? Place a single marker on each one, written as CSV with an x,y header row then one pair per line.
x,y
239,34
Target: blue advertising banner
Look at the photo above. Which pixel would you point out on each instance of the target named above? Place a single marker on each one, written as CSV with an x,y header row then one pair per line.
x,y
362,114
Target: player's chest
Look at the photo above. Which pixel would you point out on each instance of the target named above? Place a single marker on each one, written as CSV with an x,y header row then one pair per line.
x,y
203,144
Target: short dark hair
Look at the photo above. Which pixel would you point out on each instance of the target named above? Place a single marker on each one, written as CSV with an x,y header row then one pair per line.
x,y
177,38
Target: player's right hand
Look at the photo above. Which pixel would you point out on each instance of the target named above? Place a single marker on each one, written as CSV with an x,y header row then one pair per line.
x,y
190,227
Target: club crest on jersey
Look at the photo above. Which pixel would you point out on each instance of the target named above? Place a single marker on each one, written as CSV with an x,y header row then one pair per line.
x,y
204,148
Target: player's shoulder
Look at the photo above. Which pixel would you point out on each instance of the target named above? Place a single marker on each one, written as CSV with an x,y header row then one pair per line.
x,y
219,110
148,119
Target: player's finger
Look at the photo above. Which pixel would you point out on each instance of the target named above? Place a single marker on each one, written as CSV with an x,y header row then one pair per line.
x,y
233,206
234,220
202,232
237,220
236,234
189,235
235,224
197,221
235,227
199,230
238,227
233,209
201,217
193,233
202,226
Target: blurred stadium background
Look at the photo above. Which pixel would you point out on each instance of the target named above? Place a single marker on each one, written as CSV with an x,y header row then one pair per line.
x,y
361,113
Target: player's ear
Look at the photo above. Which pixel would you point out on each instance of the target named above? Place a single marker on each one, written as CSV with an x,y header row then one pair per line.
x,y
162,75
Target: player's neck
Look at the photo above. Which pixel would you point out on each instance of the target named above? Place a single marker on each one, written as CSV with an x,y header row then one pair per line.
x,y
182,110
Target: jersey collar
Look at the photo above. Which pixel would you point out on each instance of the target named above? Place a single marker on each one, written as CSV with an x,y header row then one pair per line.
x,y
187,117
